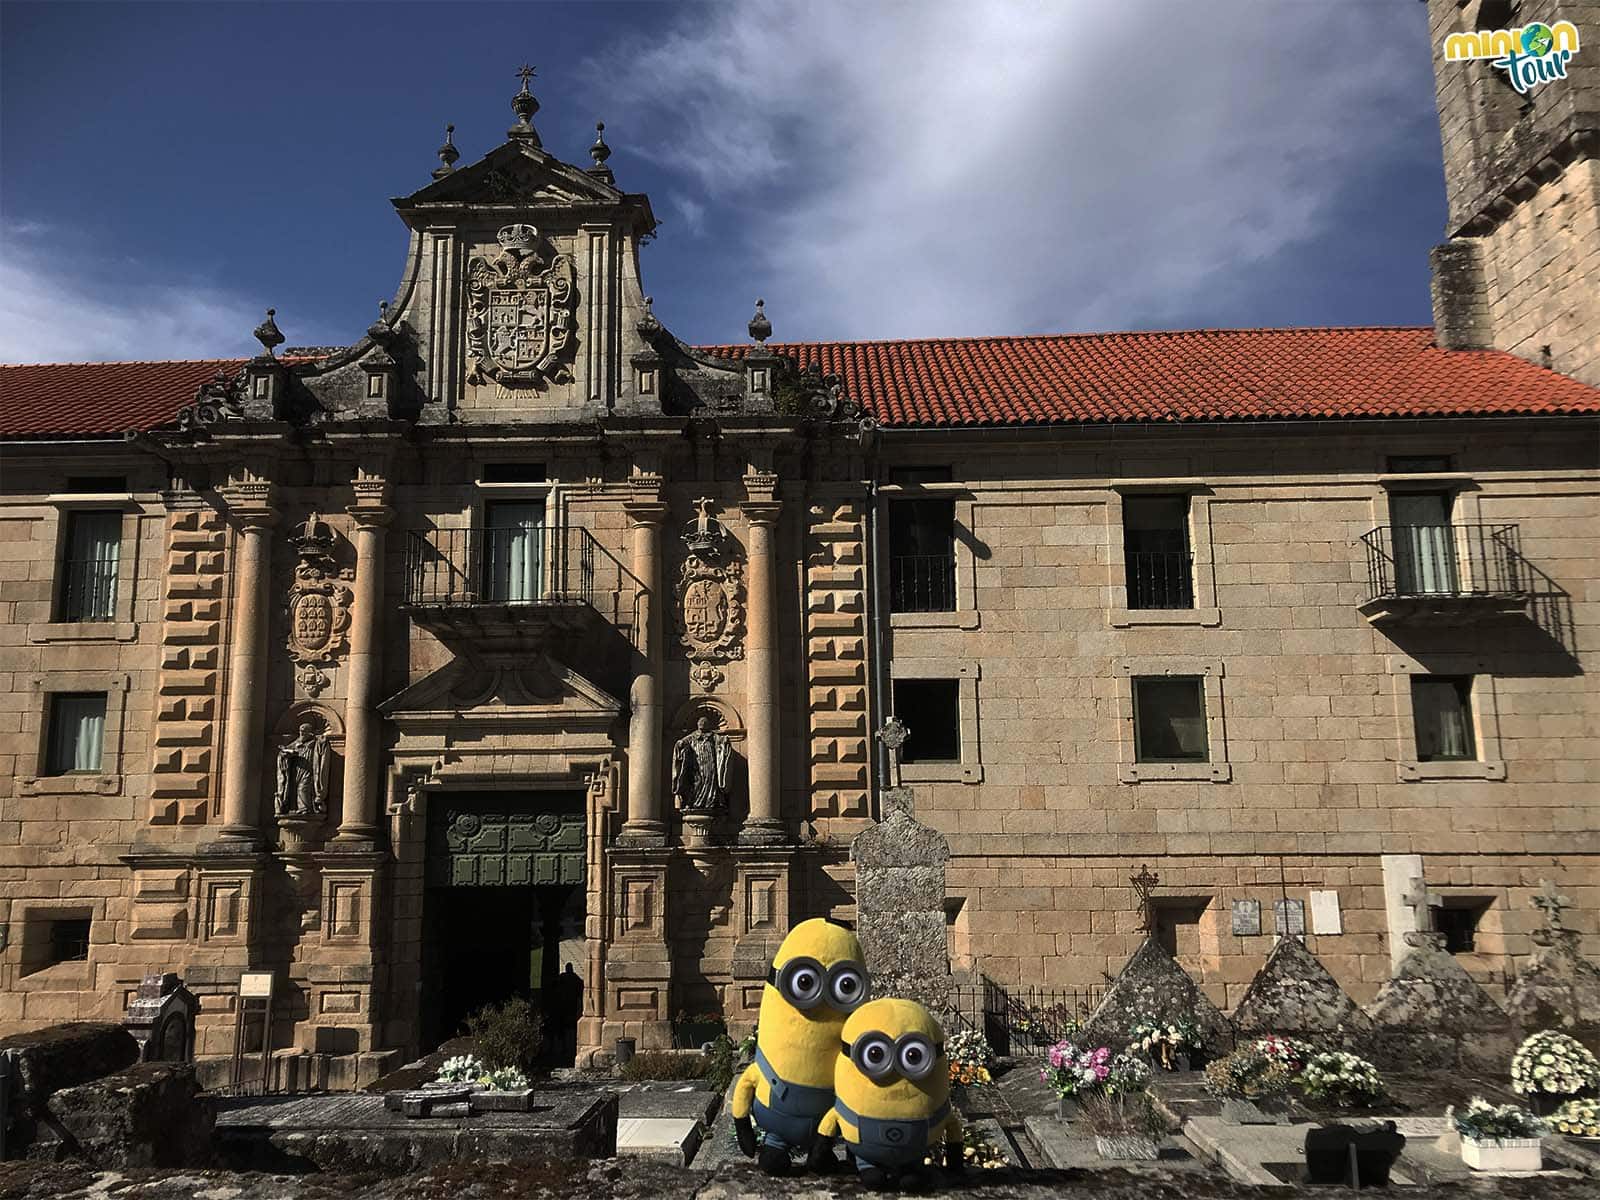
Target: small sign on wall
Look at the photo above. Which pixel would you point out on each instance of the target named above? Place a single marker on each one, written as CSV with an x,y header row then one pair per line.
x,y
1246,918
1325,918
1289,917
255,985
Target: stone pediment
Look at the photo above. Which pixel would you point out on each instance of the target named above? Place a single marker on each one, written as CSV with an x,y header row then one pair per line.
x,y
516,175
527,692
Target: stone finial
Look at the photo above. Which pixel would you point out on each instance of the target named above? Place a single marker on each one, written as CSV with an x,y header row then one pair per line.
x,y
648,326
600,152
1144,884
760,328
524,105
448,154
268,333
380,329
893,735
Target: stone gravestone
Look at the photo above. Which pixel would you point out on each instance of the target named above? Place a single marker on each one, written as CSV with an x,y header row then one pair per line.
x,y
1559,988
161,1019
900,913
1293,993
1152,987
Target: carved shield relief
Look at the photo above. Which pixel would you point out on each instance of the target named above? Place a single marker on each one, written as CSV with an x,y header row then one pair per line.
x,y
710,609
520,311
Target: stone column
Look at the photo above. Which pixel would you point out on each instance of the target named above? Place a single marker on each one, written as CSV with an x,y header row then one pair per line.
x,y
358,819
644,825
764,826
251,507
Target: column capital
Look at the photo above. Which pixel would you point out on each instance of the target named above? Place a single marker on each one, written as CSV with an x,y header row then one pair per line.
x,y
761,512
371,516
371,491
250,502
761,485
645,512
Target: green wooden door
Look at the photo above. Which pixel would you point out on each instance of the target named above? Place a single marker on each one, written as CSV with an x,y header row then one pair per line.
x,y
511,841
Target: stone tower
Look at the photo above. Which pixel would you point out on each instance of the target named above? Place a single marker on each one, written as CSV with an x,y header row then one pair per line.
x,y
1520,267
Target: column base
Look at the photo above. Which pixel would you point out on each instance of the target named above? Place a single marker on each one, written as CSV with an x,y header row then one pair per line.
x,y
763,833
642,835
235,839
354,839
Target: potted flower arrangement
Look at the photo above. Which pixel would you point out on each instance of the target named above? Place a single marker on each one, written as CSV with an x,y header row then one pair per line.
x,y
1291,1052
694,1031
1250,1085
1127,1072
1169,1044
1550,1066
1577,1118
471,1071
1074,1072
970,1059
1501,1137
1125,1126
1346,1079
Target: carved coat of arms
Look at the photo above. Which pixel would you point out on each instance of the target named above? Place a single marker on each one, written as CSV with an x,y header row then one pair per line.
x,y
520,312
319,599
711,609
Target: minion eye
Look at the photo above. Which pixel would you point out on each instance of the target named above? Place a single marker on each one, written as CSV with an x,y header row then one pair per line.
x,y
875,1056
801,982
915,1058
847,988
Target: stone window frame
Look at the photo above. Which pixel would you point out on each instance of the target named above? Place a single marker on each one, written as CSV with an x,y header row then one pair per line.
x,y
1210,671
549,492
31,779
31,918
121,626
965,614
969,767
1490,763
1205,612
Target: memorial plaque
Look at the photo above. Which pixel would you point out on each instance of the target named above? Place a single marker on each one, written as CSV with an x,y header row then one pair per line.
x,y
1289,917
1246,918
256,985
1325,918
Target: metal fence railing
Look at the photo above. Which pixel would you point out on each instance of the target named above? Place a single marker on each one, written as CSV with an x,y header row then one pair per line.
x,y
1024,1020
1160,579
922,583
1445,560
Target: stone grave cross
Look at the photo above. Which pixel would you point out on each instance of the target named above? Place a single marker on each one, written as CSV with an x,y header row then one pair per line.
x,y
1551,903
893,736
1144,883
1422,902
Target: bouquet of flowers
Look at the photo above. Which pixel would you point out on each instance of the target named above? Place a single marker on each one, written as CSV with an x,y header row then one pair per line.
x,y
463,1068
1485,1122
1162,1039
1577,1118
970,1057
1247,1074
1074,1070
1128,1073
1554,1063
1288,1051
504,1079
1344,1078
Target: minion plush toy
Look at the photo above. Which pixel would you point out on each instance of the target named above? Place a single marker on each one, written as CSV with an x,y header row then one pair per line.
x,y
817,978
891,1104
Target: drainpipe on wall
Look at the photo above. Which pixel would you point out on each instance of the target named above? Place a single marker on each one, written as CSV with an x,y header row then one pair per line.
x,y
880,657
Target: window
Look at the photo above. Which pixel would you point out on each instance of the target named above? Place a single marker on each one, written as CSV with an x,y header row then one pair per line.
x,y
1177,924
1424,545
1442,709
1169,720
77,732
69,940
922,555
931,711
1417,464
1457,920
514,551
88,583
1160,568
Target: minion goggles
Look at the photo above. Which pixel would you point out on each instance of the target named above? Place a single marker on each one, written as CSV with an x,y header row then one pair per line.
x,y
911,1056
806,983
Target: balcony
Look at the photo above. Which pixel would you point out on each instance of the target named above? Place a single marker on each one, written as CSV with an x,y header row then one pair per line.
x,y
1445,574
922,583
1160,579
515,588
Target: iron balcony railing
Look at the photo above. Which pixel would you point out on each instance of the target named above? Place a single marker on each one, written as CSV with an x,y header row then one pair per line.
x,y
477,566
1445,560
922,583
1160,579
88,589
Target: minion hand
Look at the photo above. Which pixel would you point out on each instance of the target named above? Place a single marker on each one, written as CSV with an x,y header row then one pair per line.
x,y
745,1132
821,1159
955,1159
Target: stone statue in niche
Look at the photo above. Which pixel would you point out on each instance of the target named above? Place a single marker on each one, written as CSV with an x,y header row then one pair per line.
x,y
700,762
303,774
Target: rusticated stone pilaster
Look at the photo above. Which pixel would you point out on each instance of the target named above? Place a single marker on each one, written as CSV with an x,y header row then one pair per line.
x,y
836,661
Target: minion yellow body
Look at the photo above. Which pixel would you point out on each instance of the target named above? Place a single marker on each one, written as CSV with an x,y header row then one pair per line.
x,y
817,977
891,1084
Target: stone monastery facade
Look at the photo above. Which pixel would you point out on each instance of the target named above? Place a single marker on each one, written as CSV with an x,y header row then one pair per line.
x,y
380,668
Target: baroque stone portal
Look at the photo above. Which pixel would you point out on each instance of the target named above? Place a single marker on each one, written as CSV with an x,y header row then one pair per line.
x,y
700,762
519,311
303,774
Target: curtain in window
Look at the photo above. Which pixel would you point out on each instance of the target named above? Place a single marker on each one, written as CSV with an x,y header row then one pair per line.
x,y
1424,549
515,552
1171,720
1443,720
94,544
77,733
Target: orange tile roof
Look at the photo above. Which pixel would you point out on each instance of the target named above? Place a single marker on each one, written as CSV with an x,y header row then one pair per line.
x,y
1196,375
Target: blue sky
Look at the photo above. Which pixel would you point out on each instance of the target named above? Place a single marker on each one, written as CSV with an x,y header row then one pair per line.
x,y
872,169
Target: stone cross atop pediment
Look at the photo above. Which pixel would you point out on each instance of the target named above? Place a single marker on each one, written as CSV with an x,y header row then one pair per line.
x,y
1422,902
893,735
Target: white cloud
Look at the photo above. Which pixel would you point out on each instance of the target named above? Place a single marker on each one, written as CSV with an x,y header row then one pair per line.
x,y
956,167
59,306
